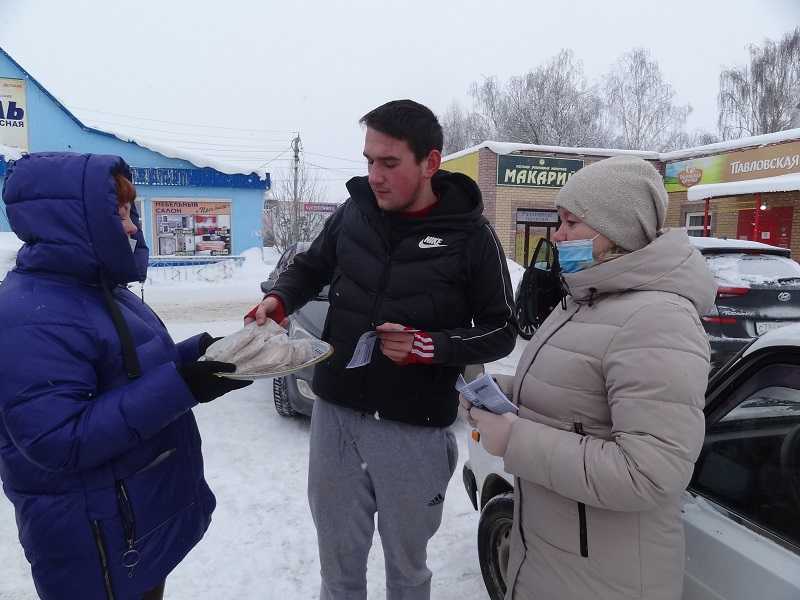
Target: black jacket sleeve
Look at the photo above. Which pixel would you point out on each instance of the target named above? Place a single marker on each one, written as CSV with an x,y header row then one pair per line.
x,y
491,297
311,270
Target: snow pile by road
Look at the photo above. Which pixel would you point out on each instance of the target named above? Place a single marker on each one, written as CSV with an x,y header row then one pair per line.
x,y
516,271
224,270
213,292
9,245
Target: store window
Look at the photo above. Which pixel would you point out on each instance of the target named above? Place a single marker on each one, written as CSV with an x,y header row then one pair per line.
x,y
186,227
694,224
750,462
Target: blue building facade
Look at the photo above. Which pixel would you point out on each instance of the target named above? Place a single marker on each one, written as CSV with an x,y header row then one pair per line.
x,y
187,208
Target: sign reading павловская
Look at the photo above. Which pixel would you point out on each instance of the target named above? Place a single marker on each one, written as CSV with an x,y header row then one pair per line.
x,y
535,171
13,114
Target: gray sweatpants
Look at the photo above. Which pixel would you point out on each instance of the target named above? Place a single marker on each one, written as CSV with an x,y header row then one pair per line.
x,y
360,465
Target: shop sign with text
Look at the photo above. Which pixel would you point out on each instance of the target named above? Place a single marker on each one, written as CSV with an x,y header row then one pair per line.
x,y
13,114
535,171
767,161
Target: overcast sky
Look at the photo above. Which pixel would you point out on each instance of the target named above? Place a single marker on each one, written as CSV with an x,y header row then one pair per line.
x,y
252,72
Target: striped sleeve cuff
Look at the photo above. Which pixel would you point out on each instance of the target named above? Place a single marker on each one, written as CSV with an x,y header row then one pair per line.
x,y
423,350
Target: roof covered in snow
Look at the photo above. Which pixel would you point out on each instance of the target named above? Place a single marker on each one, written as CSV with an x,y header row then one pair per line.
x,y
744,142
511,147
780,183
711,243
197,160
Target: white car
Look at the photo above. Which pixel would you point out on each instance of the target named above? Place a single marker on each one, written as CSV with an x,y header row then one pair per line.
x,y
741,513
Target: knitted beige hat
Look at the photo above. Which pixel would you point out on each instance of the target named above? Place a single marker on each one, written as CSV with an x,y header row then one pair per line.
x,y
623,198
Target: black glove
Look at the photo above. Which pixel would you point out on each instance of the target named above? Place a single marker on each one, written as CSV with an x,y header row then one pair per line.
x,y
205,341
204,385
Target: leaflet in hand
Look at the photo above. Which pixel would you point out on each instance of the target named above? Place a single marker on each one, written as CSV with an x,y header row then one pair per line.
x,y
484,393
362,355
365,346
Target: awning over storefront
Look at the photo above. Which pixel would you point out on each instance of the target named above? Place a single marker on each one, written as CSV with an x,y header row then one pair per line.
x,y
781,183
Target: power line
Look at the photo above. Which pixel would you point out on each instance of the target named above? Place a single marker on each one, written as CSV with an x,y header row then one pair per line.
x,y
103,112
274,180
362,161
274,159
240,152
316,166
199,144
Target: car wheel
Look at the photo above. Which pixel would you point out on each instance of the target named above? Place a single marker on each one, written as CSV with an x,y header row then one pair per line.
x,y
280,395
494,543
524,328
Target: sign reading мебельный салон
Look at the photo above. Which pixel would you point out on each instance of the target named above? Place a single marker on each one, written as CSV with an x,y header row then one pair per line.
x,y
186,226
13,114
767,161
535,171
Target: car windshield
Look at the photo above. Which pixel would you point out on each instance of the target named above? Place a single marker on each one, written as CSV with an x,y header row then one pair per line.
x,y
753,269
771,402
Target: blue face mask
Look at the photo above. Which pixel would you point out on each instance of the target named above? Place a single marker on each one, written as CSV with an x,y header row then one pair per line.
x,y
575,255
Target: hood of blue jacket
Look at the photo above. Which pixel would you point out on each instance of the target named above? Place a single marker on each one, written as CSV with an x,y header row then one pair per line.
x,y
64,207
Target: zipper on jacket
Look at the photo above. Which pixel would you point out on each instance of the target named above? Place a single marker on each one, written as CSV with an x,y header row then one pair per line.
x,y
584,537
384,281
384,235
130,558
101,550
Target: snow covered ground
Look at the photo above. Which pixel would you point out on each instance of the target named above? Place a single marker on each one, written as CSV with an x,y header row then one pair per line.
x,y
9,244
262,543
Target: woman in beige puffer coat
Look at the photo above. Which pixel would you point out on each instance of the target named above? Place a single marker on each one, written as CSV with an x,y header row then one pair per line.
x,y
610,393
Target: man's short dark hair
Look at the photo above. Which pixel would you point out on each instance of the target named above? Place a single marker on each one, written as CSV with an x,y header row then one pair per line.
x,y
408,121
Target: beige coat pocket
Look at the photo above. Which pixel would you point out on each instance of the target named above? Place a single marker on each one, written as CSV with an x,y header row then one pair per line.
x,y
551,517
616,555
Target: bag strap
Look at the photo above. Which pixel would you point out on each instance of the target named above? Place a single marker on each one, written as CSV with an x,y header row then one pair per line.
x,y
129,358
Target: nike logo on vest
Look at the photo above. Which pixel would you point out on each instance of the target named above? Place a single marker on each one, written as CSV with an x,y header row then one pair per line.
x,y
432,242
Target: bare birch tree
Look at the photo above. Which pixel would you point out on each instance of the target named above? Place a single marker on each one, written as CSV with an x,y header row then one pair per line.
x,y
759,97
461,129
284,211
641,105
552,104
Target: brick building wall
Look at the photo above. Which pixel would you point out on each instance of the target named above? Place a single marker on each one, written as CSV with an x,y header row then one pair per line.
x,y
676,210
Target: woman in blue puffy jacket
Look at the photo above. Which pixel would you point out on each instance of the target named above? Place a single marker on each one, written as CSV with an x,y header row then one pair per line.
x,y
99,450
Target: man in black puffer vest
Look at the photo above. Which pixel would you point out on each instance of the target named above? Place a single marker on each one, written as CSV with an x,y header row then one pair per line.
x,y
411,257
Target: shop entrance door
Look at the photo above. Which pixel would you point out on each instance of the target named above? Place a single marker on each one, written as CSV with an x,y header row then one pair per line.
x,y
532,226
774,226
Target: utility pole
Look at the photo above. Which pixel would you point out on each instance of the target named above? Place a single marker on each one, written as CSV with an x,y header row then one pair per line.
x,y
296,200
